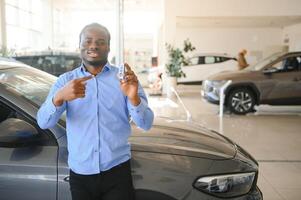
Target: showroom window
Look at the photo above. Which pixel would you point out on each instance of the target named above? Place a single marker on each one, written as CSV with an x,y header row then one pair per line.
x,y
24,23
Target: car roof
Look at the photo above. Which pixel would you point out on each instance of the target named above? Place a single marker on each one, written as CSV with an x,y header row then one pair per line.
x,y
46,53
293,53
214,54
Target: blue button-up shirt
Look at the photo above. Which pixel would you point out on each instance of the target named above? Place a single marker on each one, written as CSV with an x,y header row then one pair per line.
x,y
97,125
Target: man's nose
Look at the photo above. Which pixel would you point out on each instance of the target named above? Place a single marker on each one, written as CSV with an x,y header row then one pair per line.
x,y
93,45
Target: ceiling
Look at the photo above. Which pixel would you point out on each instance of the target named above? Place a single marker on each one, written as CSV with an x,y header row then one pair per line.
x,y
108,5
238,22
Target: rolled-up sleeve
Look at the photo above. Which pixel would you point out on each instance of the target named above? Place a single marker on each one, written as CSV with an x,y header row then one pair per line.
x,y
141,114
49,114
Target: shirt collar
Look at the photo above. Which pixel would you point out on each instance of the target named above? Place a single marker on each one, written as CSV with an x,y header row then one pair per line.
x,y
107,67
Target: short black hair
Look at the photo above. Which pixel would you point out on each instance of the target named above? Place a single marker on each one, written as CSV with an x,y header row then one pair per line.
x,y
95,25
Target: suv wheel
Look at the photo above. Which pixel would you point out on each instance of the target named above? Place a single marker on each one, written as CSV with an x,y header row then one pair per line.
x,y
241,101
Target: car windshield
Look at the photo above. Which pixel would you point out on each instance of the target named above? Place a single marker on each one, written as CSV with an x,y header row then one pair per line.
x,y
33,85
266,61
30,83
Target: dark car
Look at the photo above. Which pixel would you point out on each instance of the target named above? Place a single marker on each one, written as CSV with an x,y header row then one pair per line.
x,y
172,161
53,62
275,80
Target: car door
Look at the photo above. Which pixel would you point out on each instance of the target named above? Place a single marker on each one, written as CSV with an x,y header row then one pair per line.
x,y
27,171
193,70
284,86
218,64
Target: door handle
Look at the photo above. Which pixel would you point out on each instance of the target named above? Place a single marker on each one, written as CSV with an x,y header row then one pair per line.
x,y
67,179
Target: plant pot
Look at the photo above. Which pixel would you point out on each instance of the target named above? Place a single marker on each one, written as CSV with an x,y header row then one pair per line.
x,y
171,83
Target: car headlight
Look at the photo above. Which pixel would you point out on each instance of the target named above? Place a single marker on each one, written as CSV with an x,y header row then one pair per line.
x,y
226,185
218,84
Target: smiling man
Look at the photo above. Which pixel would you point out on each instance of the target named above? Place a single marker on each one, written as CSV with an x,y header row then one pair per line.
x,y
98,107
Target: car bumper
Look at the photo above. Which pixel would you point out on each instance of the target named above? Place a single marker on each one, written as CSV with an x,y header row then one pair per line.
x,y
210,92
209,98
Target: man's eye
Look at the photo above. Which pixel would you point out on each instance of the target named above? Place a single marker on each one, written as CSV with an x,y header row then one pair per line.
x,y
101,43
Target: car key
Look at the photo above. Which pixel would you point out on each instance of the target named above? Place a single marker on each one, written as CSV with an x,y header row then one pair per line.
x,y
121,71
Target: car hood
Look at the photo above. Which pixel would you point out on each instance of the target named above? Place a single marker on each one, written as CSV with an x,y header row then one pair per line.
x,y
233,75
182,138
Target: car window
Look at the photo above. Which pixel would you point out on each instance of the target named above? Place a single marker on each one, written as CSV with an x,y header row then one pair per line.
x,y
27,84
266,61
8,114
53,64
223,59
198,60
209,59
194,61
288,64
279,65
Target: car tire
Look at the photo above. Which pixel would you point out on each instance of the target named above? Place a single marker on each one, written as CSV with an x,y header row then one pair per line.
x,y
241,101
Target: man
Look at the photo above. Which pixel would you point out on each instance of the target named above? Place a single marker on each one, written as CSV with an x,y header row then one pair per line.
x,y
98,107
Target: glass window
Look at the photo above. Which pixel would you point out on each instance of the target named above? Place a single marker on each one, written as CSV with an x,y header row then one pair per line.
x,y
28,84
201,60
291,64
18,138
223,59
194,61
23,19
287,65
209,60
263,63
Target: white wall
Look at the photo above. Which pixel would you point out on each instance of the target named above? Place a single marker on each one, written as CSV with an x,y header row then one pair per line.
x,y
230,40
234,7
293,35
260,41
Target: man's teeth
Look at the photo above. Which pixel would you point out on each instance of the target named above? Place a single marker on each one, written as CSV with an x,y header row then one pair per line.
x,y
92,54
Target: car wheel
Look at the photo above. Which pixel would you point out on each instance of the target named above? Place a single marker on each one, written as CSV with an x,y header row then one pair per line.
x,y
241,101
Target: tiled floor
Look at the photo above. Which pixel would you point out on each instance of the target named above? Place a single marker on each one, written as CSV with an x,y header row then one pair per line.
x,y
272,135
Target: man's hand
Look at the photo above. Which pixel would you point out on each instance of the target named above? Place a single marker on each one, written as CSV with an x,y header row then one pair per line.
x,y
129,86
72,90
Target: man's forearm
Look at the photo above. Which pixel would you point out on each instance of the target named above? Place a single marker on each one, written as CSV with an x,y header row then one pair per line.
x,y
135,101
57,99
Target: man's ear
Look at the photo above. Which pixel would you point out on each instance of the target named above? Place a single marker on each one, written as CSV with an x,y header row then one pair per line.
x,y
79,42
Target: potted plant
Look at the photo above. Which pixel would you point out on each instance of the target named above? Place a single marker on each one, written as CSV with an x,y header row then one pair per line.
x,y
4,52
175,62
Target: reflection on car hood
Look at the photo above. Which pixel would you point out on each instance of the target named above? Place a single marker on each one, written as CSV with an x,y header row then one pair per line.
x,y
231,75
182,138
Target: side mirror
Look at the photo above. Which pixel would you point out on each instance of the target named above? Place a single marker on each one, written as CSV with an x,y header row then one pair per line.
x,y
17,133
270,71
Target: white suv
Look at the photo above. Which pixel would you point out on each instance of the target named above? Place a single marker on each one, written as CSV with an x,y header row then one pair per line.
x,y
204,65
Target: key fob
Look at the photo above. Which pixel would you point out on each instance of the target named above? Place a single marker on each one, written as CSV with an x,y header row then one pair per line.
x,y
121,70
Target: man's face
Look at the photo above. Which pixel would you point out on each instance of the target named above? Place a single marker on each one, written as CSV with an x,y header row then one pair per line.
x,y
94,47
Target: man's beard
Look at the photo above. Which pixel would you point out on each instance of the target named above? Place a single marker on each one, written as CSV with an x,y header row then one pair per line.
x,y
97,63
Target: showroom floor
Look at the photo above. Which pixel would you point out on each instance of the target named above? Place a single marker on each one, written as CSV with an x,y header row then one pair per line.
x,y
272,135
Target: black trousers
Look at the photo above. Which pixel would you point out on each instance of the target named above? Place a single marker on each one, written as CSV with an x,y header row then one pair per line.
x,y
114,184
